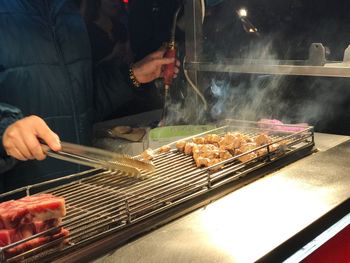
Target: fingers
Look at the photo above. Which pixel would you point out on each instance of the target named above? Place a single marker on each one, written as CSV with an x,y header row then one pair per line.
x,y
157,54
14,143
16,154
50,138
20,139
22,146
163,61
34,147
150,68
176,72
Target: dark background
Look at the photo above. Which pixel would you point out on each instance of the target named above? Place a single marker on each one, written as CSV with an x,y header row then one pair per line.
x,y
286,29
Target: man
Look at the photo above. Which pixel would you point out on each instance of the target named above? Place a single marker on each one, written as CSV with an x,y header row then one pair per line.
x,y
45,75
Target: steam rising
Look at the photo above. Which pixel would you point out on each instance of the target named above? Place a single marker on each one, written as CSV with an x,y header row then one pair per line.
x,y
291,99
319,101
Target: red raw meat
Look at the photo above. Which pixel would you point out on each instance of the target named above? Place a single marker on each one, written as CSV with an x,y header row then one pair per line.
x,y
9,236
28,216
279,126
31,209
41,226
36,242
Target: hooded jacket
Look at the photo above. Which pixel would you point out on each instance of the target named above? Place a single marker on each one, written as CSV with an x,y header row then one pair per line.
x,y
46,70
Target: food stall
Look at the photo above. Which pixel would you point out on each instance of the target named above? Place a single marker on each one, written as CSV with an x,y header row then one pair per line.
x,y
272,203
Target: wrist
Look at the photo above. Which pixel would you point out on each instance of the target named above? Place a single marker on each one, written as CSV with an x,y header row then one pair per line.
x,y
133,79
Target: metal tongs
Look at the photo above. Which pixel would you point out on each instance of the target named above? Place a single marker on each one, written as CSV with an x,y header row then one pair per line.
x,y
98,158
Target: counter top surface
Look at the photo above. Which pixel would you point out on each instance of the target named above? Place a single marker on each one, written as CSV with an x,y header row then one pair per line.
x,y
248,223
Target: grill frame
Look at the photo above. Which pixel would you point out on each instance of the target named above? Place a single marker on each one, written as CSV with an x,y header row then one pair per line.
x,y
110,209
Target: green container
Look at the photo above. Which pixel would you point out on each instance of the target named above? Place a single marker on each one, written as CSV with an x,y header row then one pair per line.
x,y
164,135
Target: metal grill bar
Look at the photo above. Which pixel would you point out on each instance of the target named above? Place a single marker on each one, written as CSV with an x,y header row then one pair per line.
x,y
105,202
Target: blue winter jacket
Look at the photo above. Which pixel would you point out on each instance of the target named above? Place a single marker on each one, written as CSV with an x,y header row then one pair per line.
x,y
45,70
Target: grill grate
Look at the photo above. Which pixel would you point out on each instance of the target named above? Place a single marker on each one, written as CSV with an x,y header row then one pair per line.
x,y
99,203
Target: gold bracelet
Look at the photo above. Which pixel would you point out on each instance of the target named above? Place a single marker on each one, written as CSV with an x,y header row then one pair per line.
x,y
133,79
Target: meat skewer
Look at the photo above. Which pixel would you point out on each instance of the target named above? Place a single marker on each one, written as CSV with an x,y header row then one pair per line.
x,y
211,149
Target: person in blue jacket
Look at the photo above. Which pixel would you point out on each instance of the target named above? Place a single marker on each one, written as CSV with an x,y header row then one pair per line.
x,y
46,87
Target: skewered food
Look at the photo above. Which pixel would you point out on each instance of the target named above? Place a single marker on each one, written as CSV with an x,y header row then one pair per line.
x,y
164,149
212,138
188,148
261,152
148,154
274,147
247,157
215,161
262,139
212,148
198,140
180,145
224,155
202,161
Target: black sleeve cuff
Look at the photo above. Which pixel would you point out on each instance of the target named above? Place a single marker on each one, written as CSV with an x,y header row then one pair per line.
x,y
8,115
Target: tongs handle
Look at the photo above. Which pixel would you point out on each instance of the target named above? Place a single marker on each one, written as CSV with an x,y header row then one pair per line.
x,y
64,156
91,157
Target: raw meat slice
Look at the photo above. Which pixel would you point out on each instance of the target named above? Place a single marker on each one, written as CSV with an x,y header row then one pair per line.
x,y
279,126
30,209
9,236
36,242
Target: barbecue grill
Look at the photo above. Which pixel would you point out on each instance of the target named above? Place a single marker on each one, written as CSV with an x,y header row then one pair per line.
x,y
106,209
101,203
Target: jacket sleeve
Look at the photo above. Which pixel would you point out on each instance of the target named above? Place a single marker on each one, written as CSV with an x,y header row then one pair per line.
x,y
112,88
8,115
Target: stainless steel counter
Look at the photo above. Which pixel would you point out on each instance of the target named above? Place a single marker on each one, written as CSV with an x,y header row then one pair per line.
x,y
254,220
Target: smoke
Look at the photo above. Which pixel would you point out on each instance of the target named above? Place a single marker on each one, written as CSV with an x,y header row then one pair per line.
x,y
189,110
291,99
249,100
248,97
320,101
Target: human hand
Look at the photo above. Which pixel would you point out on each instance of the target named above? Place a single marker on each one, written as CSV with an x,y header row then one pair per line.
x,y
150,67
21,139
